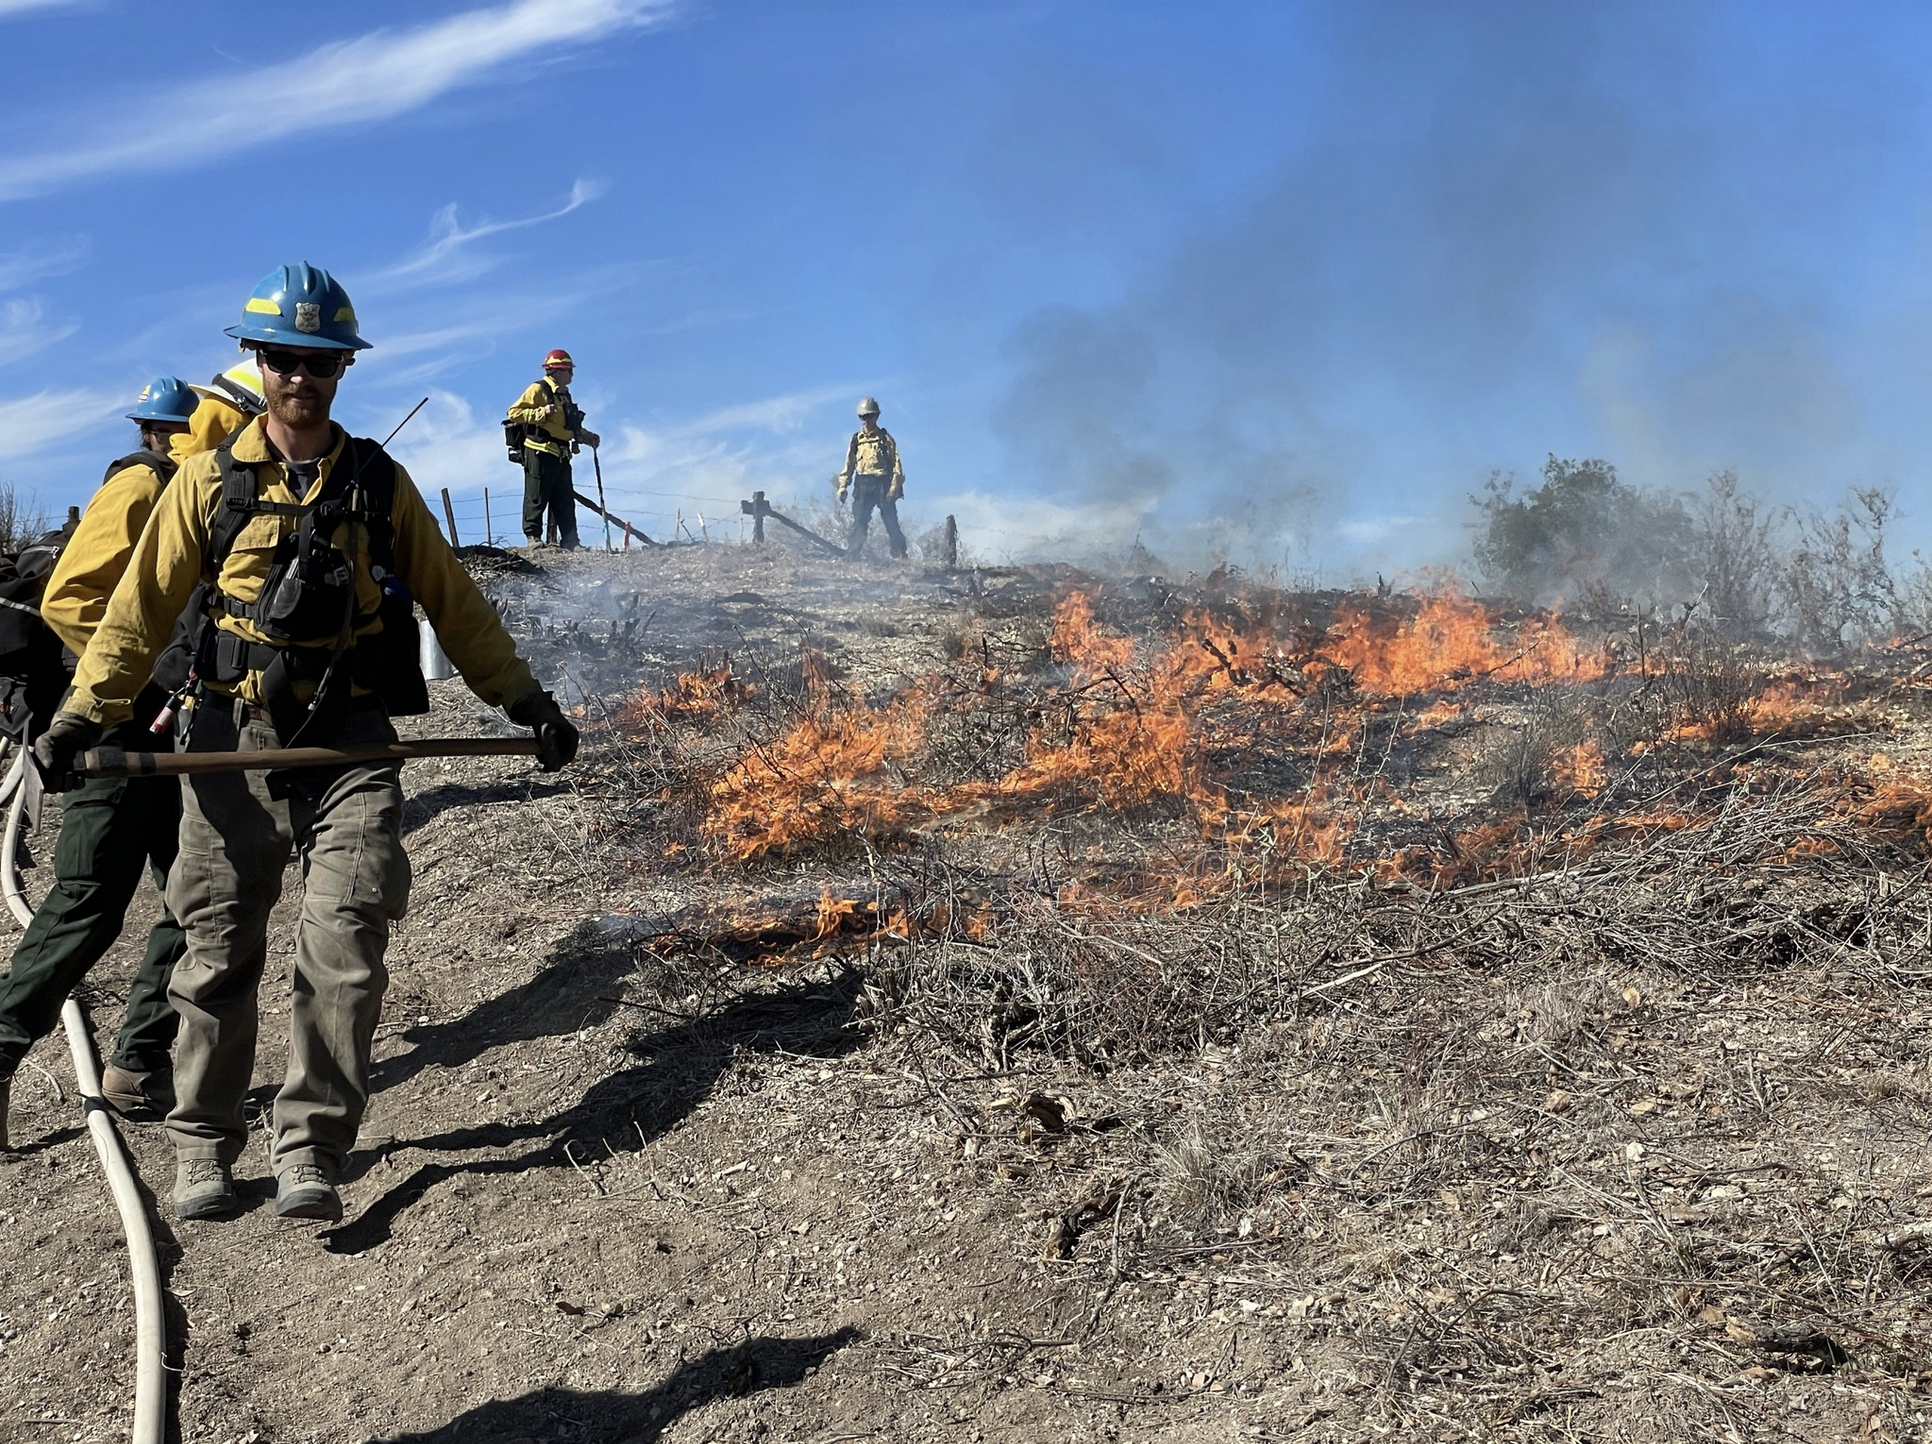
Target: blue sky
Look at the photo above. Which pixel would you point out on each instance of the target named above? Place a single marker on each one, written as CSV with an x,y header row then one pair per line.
x,y
1285,280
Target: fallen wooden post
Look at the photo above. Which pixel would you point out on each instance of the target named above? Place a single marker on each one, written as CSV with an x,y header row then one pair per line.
x,y
629,530
758,509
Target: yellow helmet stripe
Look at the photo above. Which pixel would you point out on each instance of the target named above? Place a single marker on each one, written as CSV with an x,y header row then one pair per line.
x,y
263,306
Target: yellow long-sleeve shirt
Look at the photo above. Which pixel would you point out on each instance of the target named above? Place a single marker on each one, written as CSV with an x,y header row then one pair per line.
x,y
217,416
542,405
170,557
212,422
96,556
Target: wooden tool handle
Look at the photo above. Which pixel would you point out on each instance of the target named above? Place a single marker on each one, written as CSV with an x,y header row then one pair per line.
x,y
114,762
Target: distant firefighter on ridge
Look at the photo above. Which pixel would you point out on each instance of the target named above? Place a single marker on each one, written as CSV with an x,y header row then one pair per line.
x,y
543,429
874,478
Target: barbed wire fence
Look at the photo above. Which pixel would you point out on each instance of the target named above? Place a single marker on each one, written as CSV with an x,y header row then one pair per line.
x,y
493,516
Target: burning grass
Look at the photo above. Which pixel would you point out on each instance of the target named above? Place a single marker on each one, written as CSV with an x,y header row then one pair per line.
x,y
1503,1033
1430,742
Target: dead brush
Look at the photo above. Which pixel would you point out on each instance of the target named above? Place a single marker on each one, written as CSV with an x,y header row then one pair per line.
x,y
1709,684
1521,765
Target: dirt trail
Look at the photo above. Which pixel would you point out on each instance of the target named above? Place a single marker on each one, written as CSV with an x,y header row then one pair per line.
x,y
601,1198
576,1215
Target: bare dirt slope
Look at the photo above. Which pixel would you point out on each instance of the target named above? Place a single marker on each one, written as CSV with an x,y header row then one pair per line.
x,y
1525,1184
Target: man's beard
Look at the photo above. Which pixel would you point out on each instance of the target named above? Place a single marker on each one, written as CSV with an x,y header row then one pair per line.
x,y
298,412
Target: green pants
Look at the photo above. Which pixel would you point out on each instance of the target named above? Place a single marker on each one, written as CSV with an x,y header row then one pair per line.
x,y
238,830
547,488
110,829
868,493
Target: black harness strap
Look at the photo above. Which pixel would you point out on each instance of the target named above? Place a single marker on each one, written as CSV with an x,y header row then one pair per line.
x,y
162,466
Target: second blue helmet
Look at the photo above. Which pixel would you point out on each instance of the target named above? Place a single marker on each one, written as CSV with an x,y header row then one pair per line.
x,y
166,398
300,305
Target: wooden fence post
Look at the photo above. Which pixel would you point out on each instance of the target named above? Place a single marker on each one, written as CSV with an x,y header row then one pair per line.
x,y
449,512
489,528
952,544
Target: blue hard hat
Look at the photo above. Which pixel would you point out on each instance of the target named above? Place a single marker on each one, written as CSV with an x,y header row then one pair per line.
x,y
166,398
300,306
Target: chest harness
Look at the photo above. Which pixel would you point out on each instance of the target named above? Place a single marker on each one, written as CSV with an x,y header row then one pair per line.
x,y
515,433
308,605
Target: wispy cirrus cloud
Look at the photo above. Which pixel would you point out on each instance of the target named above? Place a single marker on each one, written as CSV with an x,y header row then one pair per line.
x,y
46,258
773,413
9,8
29,423
25,330
443,259
371,77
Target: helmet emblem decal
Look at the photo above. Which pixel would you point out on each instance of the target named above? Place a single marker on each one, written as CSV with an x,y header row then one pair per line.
x,y
308,316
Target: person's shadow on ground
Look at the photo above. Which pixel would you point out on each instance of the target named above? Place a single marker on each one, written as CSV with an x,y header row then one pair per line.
x,y
432,802
616,1418
574,990
676,1069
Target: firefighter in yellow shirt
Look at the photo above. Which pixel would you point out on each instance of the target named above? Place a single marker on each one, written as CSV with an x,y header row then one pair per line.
x,y
227,404
874,478
113,828
552,430
307,549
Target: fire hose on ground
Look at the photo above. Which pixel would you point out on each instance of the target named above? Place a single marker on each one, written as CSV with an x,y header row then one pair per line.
x,y
150,1325
144,1268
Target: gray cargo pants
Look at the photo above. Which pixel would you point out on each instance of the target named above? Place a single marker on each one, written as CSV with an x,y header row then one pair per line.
x,y
237,832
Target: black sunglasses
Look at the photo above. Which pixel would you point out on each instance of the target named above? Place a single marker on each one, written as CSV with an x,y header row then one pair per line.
x,y
286,363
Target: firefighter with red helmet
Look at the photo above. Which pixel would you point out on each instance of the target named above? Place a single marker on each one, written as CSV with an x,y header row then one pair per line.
x,y
552,428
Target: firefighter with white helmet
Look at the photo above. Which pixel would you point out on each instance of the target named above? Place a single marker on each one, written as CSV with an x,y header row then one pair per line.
x,y
306,551
225,405
875,480
547,427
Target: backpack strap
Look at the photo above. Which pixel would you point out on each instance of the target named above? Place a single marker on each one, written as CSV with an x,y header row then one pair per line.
x,y
376,475
162,466
240,493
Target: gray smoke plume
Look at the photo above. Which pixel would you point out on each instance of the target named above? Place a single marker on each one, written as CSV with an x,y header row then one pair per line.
x,y
1496,231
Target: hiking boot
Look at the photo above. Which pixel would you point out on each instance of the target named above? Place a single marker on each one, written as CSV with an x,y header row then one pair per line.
x,y
203,1188
302,1190
138,1093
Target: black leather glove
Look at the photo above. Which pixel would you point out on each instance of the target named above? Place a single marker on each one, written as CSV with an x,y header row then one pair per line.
x,y
58,751
556,737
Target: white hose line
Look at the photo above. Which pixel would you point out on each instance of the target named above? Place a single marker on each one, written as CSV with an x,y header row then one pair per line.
x,y
10,884
16,776
150,1325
